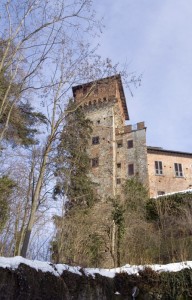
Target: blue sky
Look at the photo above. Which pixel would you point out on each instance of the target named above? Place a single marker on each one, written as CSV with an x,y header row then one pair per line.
x,y
154,38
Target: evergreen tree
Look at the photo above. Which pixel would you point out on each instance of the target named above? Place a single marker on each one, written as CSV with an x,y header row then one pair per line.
x,y
118,216
73,163
6,188
75,243
17,117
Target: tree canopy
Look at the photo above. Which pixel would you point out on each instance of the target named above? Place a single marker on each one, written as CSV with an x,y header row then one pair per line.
x,y
18,119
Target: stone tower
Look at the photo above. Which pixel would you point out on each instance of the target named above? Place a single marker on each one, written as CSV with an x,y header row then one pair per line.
x,y
117,152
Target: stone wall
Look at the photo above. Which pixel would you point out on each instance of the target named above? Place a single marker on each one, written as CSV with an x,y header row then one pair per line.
x,y
101,117
135,155
26,283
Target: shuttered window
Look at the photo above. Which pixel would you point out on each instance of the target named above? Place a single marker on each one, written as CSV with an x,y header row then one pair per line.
x,y
178,170
158,168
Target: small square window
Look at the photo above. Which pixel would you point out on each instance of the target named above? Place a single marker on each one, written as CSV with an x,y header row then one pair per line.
x,y
95,162
119,143
95,140
118,180
130,144
131,169
178,170
119,165
158,168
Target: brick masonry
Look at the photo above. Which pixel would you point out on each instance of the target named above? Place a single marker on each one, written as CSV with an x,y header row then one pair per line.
x,y
168,181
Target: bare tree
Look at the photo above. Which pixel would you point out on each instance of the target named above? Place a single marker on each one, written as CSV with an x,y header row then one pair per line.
x,y
32,36
45,50
24,175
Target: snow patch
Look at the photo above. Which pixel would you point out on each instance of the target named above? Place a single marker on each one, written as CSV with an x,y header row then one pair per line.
x,y
189,191
57,269
117,293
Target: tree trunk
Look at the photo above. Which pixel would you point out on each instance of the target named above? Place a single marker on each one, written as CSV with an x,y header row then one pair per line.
x,y
35,199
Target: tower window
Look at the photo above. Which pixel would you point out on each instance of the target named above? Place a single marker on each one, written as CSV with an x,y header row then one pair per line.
x,y
130,144
178,170
131,169
95,140
119,143
95,162
158,168
118,180
119,165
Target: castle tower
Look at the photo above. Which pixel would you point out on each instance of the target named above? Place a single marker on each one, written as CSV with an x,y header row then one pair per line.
x,y
116,151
